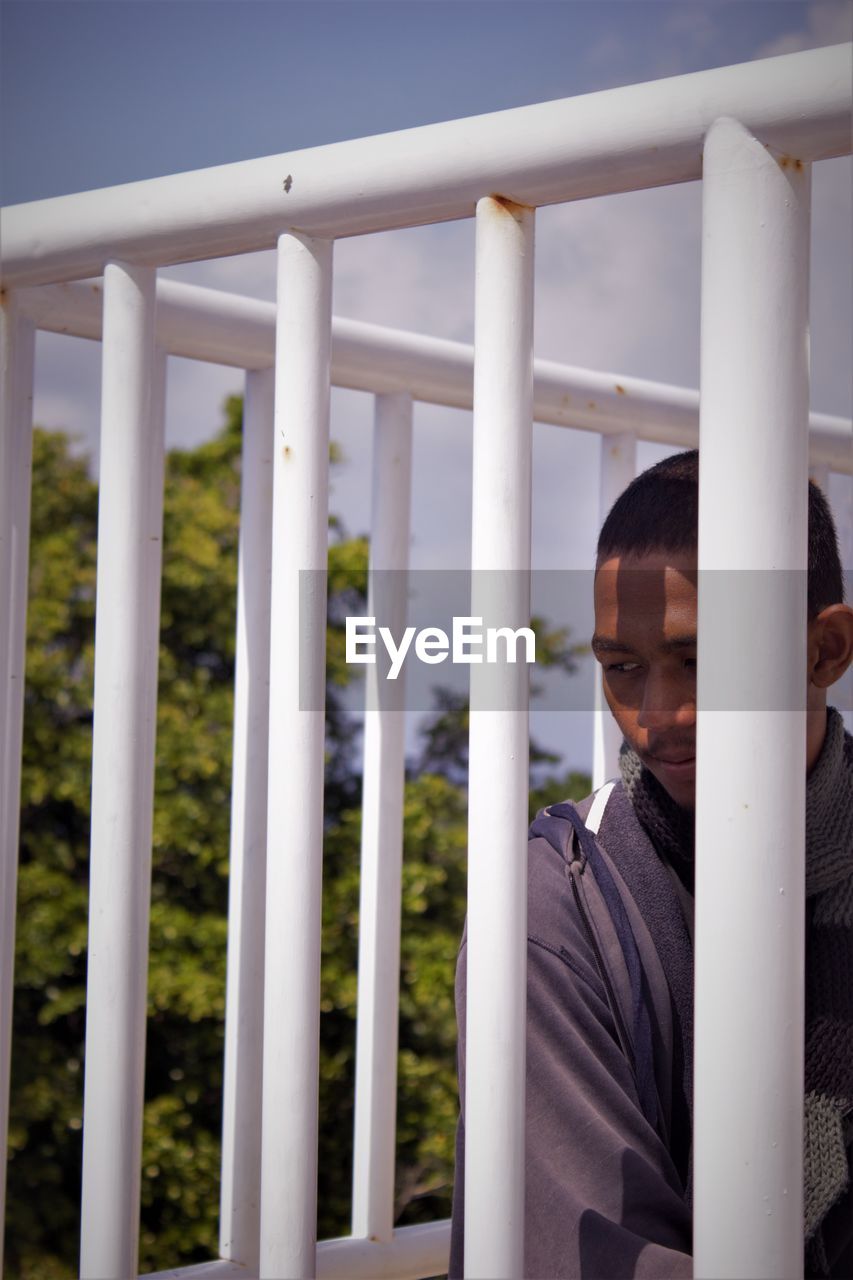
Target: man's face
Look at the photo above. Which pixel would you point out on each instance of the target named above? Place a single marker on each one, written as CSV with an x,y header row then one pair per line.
x,y
645,640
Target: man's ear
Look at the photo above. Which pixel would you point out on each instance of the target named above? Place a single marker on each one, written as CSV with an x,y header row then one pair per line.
x,y
830,645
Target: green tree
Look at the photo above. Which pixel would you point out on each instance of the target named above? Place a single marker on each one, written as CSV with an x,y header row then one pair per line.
x,y
46,1102
181,1139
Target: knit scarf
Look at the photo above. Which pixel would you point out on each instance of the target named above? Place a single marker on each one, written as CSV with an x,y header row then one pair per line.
x,y
829,961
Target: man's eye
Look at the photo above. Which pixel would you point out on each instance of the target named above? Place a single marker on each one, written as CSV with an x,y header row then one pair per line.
x,y
622,668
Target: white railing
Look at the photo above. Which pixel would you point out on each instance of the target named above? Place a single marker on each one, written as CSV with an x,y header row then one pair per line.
x,y
760,125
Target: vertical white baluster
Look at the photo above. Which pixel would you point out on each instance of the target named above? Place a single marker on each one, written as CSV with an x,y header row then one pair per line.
x,y
618,468
17,348
748,1131
498,779
296,715
239,1225
382,833
130,522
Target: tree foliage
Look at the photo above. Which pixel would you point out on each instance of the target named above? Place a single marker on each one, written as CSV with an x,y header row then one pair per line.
x,y
186,987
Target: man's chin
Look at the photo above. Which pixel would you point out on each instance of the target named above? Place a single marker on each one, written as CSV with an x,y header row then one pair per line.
x,y
677,779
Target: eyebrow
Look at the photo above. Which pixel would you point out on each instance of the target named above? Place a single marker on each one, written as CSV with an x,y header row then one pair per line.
x,y
600,644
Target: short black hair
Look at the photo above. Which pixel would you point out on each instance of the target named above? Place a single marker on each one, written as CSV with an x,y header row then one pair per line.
x,y
659,511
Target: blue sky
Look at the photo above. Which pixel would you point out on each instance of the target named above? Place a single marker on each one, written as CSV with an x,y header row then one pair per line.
x,y
97,92
94,94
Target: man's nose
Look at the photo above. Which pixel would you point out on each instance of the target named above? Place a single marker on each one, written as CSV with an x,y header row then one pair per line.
x,y
667,704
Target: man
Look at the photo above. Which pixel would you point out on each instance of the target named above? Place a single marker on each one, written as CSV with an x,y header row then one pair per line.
x,y
610,953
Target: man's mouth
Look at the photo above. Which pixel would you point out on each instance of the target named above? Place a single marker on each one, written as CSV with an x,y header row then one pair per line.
x,y
670,750
675,765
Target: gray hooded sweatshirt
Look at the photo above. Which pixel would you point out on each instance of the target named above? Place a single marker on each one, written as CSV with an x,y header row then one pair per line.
x,y
609,1096
606,1171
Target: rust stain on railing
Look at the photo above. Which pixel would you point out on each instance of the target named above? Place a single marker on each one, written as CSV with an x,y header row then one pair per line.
x,y
511,207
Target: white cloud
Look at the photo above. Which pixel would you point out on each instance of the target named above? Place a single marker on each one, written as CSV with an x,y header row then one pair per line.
x,y
194,397
252,274
827,22
832,286
67,388
421,279
618,283
609,50
695,25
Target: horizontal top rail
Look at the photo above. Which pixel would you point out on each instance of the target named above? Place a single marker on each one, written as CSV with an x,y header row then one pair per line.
x,y
227,328
623,139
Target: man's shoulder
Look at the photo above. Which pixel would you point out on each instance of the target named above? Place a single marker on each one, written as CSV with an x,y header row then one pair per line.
x,y
615,821
624,845
554,915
